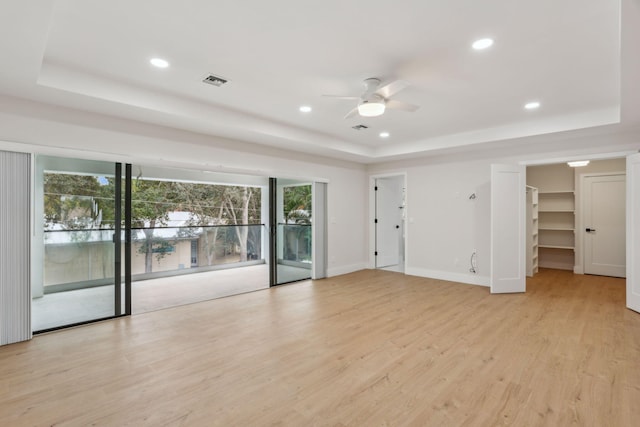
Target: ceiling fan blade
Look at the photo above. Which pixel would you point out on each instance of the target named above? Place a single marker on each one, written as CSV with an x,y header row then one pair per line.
x,y
351,113
341,97
399,105
392,88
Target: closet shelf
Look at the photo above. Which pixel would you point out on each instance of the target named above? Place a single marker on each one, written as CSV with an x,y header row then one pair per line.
x,y
556,229
557,226
556,247
532,231
556,192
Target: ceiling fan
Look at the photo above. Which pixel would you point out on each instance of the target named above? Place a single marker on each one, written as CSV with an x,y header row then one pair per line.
x,y
376,99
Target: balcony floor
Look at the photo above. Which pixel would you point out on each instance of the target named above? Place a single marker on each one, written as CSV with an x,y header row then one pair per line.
x,y
64,308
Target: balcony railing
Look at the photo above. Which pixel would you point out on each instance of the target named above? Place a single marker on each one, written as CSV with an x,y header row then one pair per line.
x,y
295,240
85,257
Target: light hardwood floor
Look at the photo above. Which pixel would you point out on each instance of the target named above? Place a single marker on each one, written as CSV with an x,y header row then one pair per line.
x,y
365,349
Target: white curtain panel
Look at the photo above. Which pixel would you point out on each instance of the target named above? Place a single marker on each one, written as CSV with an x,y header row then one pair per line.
x,y
15,220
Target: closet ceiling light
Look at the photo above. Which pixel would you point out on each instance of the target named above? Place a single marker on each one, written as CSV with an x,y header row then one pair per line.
x,y
578,163
482,44
384,134
532,105
159,62
305,109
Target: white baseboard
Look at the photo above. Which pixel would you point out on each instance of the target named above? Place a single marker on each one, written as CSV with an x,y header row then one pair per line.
x,y
470,279
346,269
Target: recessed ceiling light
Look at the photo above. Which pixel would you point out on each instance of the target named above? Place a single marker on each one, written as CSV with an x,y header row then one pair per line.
x,y
384,134
305,109
159,62
482,44
532,105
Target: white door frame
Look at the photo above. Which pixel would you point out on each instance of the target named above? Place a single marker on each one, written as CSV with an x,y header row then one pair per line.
x,y
372,216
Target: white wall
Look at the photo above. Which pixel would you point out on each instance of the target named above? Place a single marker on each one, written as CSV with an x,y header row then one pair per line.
x,y
444,226
38,128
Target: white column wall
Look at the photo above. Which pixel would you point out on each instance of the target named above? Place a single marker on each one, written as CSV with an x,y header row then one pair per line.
x,y
319,230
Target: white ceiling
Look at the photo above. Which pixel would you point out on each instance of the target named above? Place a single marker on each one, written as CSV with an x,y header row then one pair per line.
x,y
278,55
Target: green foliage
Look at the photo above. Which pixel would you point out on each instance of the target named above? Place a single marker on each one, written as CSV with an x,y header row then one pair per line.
x,y
69,200
297,214
297,204
151,202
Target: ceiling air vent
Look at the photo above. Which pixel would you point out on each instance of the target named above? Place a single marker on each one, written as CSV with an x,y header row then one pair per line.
x,y
214,80
360,127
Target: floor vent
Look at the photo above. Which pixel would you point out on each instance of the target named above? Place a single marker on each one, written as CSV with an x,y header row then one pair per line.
x,y
214,80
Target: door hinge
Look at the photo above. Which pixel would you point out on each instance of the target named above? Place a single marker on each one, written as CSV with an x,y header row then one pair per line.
x,y
376,253
376,188
375,221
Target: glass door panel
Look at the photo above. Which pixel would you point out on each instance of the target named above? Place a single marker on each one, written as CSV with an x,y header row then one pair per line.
x,y
292,212
294,263
76,224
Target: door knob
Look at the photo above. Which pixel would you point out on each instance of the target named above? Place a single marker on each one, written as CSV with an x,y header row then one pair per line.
x,y
589,230
397,226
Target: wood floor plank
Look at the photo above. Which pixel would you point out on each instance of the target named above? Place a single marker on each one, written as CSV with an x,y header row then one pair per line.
x,y
368,348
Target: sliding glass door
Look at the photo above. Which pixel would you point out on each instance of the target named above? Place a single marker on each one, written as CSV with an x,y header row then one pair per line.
x,y
108,244
291,240
77,255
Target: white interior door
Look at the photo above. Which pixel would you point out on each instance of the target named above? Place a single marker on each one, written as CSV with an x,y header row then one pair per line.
x,y
388,220
604,221
633,232
508,213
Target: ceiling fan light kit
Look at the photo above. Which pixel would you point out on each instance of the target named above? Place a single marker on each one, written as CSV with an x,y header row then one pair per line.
x,y
376,99
371,108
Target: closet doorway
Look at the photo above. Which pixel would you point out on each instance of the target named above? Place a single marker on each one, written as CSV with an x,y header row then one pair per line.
x,y
578,220
389,222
